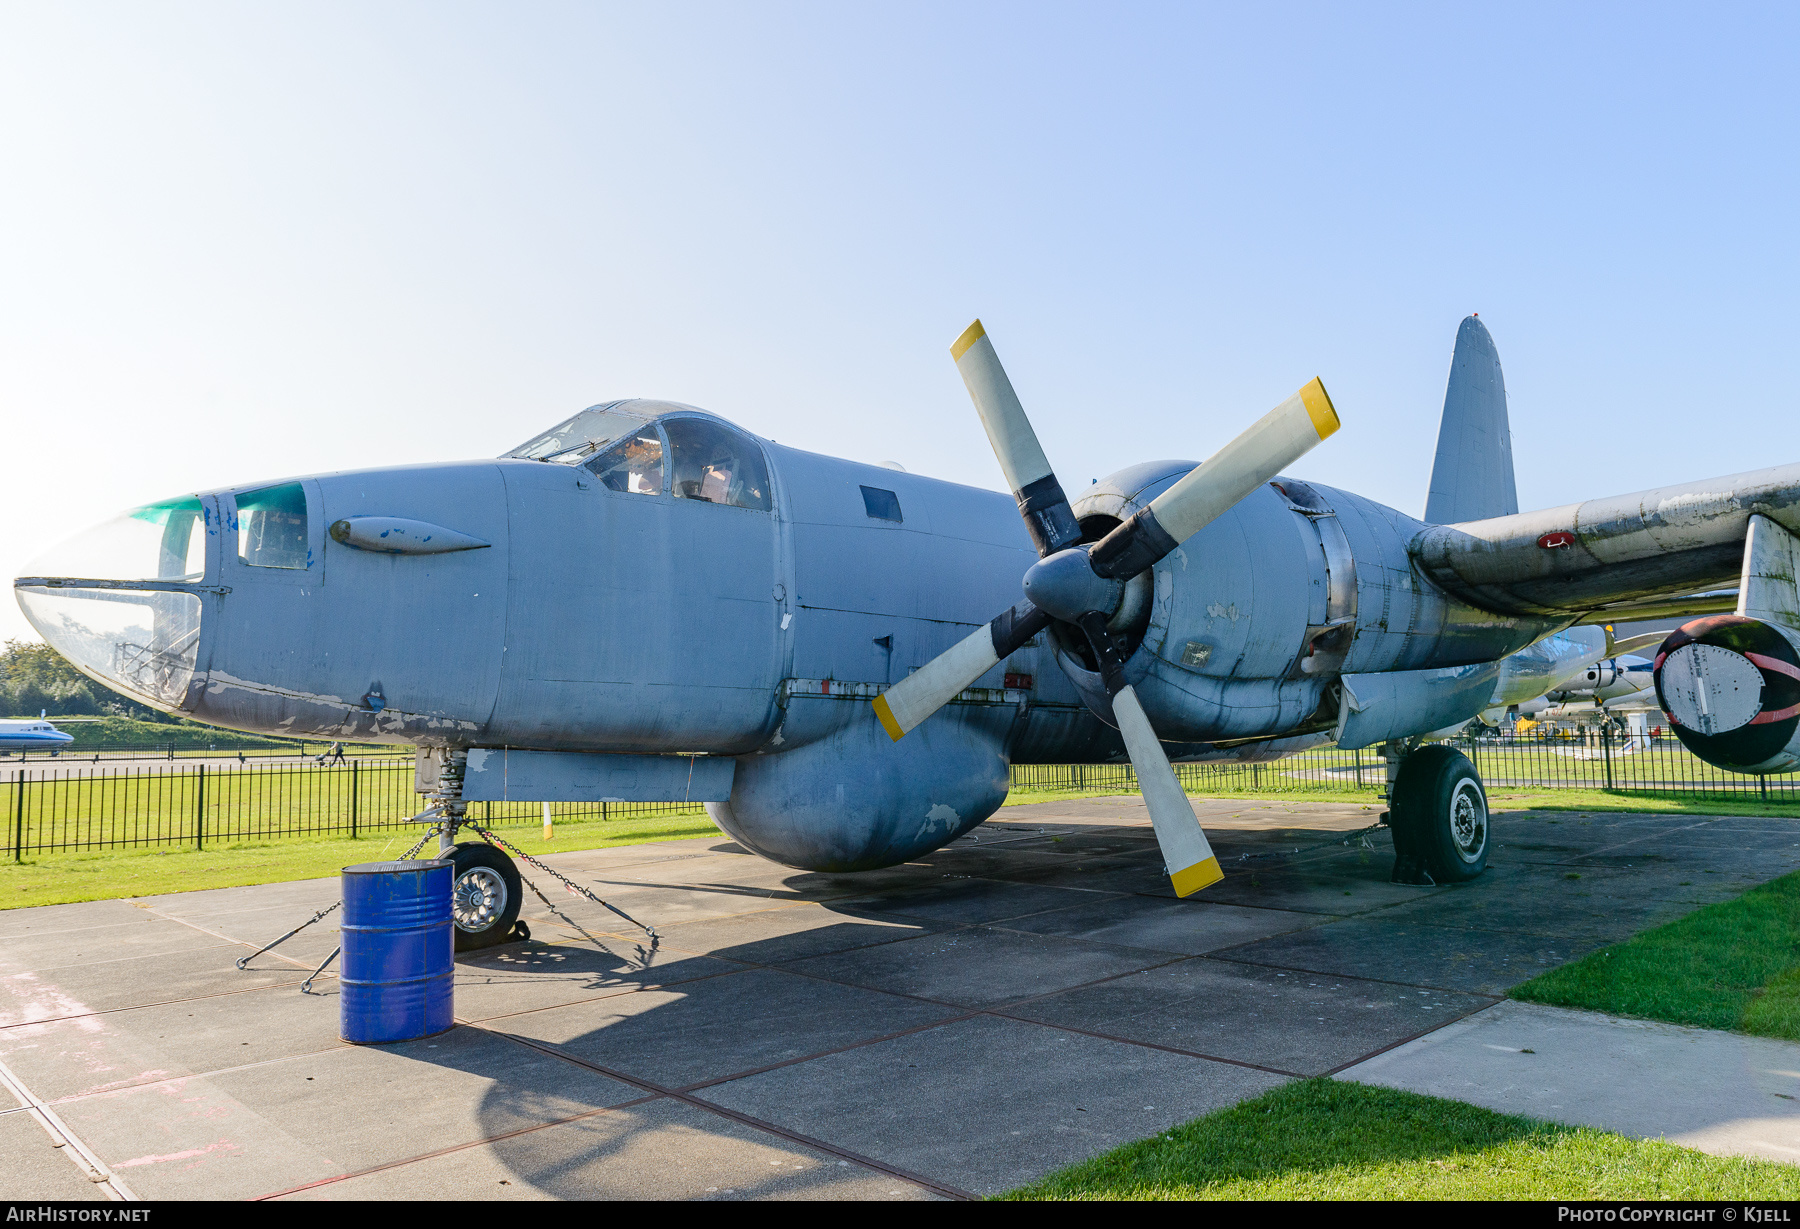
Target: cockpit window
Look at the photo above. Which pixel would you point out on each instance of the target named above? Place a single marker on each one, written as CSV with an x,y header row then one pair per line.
x,y
271,526
579,438
713,463
633,466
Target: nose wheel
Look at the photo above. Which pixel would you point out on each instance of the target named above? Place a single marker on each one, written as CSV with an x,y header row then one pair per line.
x,y
484,895
1439,813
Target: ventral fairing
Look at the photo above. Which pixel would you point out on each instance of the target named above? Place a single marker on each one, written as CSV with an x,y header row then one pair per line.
x,y
840,660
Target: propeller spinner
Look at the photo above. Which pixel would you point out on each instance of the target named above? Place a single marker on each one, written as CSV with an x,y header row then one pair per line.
x,y
1082,586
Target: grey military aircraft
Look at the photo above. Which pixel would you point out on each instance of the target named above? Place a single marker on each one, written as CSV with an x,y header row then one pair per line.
x,y
647,603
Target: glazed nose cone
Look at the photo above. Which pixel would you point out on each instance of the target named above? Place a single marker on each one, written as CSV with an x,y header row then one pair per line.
x,y
120,600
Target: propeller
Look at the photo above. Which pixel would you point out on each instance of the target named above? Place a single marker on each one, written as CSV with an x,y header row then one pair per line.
x,y
1082,586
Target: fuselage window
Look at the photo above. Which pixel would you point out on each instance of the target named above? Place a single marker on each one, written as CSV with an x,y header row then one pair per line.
x,y
271,525
716,465
633,466
882,505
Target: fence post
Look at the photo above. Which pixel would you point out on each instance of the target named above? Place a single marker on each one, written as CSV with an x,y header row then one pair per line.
x,y
200,809
1606,750
19,817
353,799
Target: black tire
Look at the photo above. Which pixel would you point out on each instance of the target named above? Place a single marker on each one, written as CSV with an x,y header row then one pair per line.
x,y
1439,813
484,896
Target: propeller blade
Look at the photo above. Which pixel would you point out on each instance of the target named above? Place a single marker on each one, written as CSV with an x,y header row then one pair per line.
x,y
1041,500
1187,854
1272,443
904,705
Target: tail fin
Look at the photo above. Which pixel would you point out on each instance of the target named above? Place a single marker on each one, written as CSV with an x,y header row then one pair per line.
x,y
1472,478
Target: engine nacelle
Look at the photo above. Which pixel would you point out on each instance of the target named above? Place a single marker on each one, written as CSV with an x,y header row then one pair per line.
x,y
1730,686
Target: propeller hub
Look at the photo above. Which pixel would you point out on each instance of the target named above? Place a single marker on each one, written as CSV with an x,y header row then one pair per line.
x,y
1065,586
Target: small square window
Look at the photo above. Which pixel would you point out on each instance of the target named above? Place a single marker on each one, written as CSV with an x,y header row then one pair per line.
x,y
882,505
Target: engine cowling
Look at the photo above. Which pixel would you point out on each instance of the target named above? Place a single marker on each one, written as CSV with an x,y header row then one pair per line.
x,y
1730,686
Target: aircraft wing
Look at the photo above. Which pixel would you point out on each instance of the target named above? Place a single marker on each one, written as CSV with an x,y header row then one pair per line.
x,y
1644,555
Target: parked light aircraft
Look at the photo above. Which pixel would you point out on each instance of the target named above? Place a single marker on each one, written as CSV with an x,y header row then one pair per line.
x,y
646,603
29,735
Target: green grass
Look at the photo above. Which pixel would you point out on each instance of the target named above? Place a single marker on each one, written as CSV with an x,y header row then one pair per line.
x,y
1733,965
1647,802
53,879
1326,1139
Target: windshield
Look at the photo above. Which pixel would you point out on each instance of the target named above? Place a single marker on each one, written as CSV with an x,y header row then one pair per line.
x,y
571,442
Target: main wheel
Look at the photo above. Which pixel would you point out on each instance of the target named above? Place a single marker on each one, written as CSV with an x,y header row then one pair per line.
x,y
484,895
1439,814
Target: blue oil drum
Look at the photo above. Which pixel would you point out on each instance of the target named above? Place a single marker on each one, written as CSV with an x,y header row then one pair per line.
x,y
398,965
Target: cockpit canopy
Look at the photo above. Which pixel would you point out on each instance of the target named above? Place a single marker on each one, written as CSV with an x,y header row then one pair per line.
x,y
659,448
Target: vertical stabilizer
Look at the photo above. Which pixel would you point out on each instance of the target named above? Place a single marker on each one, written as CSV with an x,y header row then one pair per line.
x,y
1472,478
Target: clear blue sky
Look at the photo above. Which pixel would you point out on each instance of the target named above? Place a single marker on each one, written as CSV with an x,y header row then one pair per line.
x,y
247,240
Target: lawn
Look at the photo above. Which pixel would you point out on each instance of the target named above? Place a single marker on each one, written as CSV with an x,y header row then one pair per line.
x,y
1733,965
1330,1139
53,879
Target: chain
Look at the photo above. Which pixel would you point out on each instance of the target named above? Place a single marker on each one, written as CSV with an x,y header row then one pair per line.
x,y
576,888
1361,834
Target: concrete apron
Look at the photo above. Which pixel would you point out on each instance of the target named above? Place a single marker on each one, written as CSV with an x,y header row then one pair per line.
x,y
1025,998
1718,1092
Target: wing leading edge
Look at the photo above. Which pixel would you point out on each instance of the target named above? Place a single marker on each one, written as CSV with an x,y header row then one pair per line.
x,y
1637,555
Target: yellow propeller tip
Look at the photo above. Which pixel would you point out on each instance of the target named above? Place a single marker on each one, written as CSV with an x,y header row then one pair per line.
x,y
886,717
970,336
1319,408
1199,875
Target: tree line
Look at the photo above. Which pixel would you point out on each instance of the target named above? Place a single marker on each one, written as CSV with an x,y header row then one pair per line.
x,y
36,678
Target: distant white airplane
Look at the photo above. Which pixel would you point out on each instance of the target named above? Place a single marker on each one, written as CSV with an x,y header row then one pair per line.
x,y
37,735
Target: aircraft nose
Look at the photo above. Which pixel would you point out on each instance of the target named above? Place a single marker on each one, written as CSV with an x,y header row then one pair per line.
x,y
122,600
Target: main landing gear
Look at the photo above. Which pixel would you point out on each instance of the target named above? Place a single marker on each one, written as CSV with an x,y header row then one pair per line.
x,y
1438,811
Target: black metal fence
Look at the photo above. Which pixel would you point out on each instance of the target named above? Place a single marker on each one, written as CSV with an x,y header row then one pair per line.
x,y
78,807
75,806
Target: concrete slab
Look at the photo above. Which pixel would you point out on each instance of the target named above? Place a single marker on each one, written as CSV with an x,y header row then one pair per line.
x,y
35,1169
718,1027
988,1104
363,1106
1190,927
97,1053
1722,1093
1293,1023
791,932
968,901
147,936
978,967
1486,962
1556,904
187,1138
116,985
62,919
521,977
662,1150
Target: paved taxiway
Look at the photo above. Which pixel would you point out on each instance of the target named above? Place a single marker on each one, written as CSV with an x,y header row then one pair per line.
x,y
1024,998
